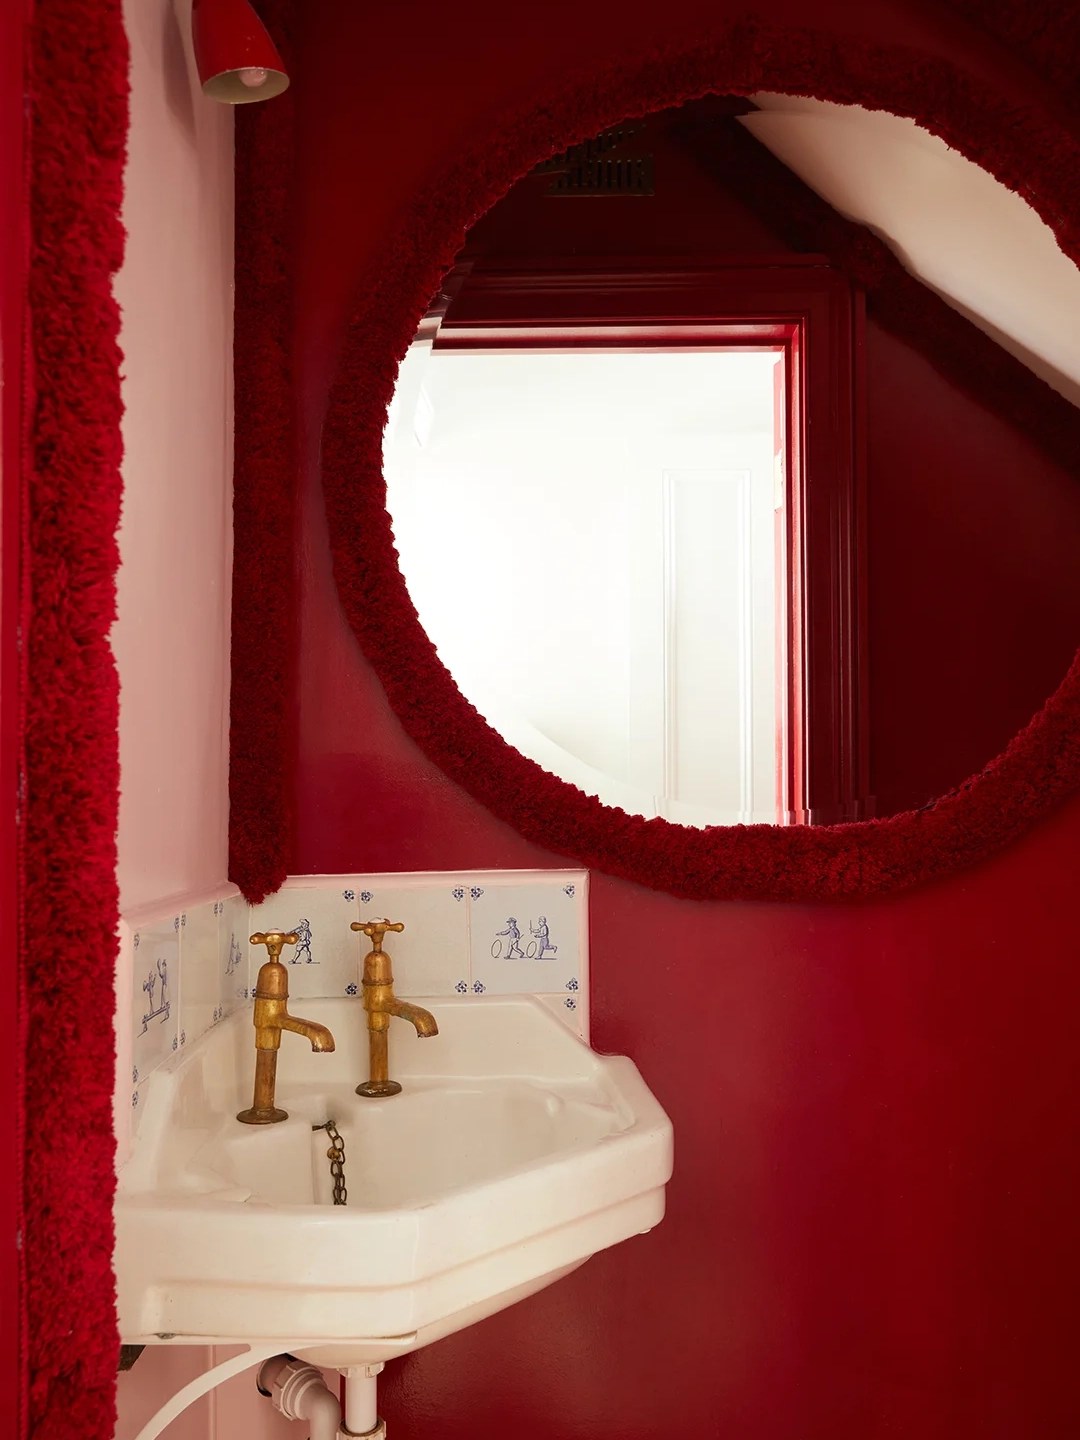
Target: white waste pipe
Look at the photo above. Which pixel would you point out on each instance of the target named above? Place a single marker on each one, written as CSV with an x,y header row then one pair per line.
x,y
361,1413
299,1391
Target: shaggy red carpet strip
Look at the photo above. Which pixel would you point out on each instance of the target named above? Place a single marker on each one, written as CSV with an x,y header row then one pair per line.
x,y
262,709
78,89
1026,150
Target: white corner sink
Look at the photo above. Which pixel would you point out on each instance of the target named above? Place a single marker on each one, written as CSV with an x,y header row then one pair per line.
x,y
513,1153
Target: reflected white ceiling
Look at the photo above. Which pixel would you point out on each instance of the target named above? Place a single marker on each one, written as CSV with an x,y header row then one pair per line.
x,y
960,231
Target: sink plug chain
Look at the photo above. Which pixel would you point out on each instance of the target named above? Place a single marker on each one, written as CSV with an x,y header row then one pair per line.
x,y
336,1156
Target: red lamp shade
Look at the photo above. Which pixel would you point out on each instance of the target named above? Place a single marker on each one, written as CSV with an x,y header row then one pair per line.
x,y
235,57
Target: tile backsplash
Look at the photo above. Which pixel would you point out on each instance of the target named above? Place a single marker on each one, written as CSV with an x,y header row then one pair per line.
x,y
502,932
188,968
495,932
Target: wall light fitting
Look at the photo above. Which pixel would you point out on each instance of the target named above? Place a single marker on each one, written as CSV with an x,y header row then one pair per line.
x,y
235,57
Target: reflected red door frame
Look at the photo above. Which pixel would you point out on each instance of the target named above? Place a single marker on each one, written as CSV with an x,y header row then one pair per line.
x,y
811,310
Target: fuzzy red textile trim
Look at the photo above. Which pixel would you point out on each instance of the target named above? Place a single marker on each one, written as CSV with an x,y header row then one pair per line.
x,y
79,94
1028,151
1048,36
264,617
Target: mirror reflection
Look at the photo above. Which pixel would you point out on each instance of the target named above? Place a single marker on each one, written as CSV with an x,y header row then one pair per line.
x,y
645,471
617,617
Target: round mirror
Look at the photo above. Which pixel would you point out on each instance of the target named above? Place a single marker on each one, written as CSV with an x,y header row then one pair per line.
x,y
973,653
661,506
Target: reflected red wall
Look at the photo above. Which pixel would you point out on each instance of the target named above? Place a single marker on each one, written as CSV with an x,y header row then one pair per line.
x,y
870,1229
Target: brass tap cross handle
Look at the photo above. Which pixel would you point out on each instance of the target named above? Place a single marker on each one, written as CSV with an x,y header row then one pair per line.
x,y
376,929
274,940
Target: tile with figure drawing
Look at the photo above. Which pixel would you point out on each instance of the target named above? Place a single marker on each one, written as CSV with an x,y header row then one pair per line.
x,y
526,938
155,1007
325,957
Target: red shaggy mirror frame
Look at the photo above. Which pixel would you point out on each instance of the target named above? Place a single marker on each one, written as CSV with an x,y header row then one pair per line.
x,y
1028,151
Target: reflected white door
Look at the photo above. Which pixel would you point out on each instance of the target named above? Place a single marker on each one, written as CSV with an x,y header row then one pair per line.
x,y
704,695
589,539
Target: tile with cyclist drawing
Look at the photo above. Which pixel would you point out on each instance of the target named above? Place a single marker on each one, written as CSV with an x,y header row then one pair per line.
x,y
527,937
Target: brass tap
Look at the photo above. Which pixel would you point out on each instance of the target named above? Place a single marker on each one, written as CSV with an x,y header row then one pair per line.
x,y
271,1018
380,1004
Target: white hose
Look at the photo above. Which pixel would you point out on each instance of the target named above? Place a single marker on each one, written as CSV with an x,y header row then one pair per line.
x,y
297,1389
200,1385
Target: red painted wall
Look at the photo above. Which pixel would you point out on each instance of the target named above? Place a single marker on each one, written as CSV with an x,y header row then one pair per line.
x,y
870,1228
14,222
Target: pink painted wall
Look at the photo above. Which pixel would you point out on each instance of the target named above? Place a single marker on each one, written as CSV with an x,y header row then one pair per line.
x,y
231,1411
172,632
160,1371
171,636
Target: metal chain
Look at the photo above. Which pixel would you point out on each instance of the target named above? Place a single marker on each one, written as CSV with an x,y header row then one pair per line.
x,y
336,1156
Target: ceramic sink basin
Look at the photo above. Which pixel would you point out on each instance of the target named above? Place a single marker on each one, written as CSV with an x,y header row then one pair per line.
x,y
513,1153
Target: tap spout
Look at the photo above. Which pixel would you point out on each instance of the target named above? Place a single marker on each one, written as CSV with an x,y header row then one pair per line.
x,y
270,1015
422,1020
382,1005
319,1036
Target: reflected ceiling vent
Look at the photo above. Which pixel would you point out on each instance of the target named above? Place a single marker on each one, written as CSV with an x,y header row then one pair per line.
x,y
609,164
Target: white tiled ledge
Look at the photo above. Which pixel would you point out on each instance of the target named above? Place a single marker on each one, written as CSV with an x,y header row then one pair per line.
x,y
186,963
182,967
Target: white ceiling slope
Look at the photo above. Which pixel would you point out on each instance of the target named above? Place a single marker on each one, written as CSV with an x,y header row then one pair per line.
x,y
960,231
